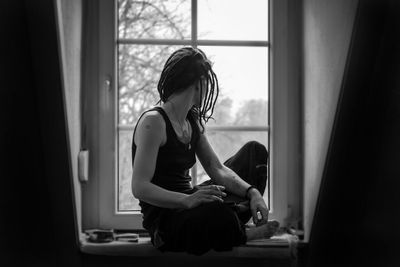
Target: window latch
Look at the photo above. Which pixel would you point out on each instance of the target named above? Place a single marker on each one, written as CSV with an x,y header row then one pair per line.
x,y
107,83
107,91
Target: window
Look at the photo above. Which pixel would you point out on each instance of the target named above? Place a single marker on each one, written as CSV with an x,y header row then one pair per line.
x,y
136,37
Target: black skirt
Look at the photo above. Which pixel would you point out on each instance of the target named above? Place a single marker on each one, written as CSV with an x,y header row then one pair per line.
x,y
216,225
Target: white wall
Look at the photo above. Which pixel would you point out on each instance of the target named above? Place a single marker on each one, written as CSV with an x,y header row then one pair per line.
x,y
69,15
327,29
285,105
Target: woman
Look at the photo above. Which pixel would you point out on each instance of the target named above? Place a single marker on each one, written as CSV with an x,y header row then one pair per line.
x,y
165,142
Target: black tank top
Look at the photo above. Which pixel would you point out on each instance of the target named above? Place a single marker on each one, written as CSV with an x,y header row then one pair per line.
x,y
174,160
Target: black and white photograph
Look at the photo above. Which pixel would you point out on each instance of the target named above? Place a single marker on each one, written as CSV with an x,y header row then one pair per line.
x,y
200,133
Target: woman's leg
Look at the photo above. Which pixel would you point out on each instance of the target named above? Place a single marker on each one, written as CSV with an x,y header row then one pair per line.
x,y
250,163
264,231
196,231
208,226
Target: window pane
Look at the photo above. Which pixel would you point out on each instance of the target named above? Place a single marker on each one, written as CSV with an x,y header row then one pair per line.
x,y
227,143
139,69
126,200
224,143
233,19
167,19
243,79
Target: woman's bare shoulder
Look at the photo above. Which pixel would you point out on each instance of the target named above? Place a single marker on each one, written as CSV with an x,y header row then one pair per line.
x,y
152,119
152,127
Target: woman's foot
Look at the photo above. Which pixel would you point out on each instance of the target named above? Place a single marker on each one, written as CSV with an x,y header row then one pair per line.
x,y
263,231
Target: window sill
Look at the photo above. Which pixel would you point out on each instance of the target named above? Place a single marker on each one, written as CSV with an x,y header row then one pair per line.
x,y
278,247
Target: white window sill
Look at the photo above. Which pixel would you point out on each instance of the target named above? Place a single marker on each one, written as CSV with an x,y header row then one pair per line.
x,y
278,247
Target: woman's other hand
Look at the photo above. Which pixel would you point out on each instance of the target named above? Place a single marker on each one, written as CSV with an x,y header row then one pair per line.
x,y
205,194
259,209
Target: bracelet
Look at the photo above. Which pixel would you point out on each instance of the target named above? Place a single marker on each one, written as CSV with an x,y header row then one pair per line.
x,y
248,189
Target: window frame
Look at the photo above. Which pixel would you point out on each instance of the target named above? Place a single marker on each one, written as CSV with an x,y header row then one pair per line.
x,y
106,215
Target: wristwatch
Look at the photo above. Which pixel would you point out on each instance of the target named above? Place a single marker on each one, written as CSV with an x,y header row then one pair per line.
x,y
247,191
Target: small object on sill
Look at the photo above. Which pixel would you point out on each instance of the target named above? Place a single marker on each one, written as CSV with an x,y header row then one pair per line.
x,y
109,235
100,235
127,237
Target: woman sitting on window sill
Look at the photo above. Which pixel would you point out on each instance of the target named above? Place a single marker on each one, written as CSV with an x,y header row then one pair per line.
x,y
165,143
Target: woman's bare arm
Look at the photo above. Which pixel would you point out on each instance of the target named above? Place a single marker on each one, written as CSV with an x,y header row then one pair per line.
x,y
226,177
218,172
149,136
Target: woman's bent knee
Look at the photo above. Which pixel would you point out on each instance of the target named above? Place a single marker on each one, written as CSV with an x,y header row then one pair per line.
x,y
255,144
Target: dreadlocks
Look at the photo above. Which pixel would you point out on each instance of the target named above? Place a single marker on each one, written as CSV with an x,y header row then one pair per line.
x,y
184,67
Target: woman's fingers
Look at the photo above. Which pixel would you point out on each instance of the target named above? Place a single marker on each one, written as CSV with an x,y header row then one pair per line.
x,y
205,196
210,193
264,214
254,215
261,219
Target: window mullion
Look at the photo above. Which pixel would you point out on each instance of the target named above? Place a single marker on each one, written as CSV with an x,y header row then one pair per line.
x,y
131,127
194,23
193,171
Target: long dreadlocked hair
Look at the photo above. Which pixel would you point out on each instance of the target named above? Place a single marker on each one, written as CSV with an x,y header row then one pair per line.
x,y
184,67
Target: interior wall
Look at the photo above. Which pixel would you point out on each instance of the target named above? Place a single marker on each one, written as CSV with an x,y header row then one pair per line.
x,y
293,77
285,120
90,120
327,28
70,37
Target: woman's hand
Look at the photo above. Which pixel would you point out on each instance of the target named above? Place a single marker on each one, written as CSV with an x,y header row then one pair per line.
x,y
258,207
205,194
